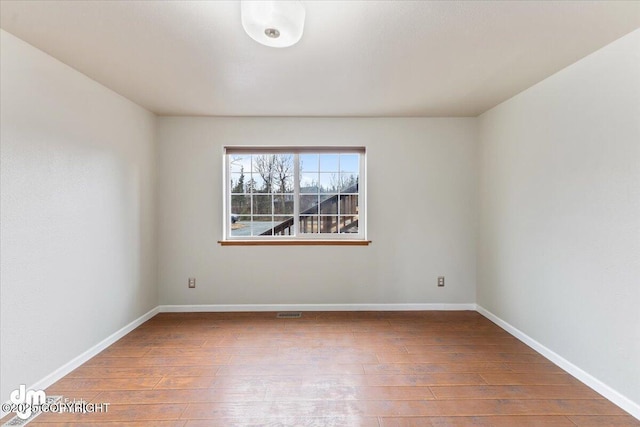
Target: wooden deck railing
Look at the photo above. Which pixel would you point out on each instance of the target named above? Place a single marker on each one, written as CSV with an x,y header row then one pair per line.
x,y
327,222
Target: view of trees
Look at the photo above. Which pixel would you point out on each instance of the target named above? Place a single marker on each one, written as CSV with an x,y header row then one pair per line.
x,y
276,177
272,176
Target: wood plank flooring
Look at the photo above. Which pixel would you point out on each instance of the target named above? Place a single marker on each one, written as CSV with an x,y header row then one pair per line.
x,y
328,369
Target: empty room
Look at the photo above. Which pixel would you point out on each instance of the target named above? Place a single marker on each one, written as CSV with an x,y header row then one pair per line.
x,y
319,213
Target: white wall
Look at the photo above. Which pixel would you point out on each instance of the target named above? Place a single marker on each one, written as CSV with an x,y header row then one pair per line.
x,y
421,215
77,167
559,242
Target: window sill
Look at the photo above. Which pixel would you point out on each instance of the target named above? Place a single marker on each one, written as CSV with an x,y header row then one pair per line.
x,y
294,242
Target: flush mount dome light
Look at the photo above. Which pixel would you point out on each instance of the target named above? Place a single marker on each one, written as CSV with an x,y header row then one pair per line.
x,y
273,23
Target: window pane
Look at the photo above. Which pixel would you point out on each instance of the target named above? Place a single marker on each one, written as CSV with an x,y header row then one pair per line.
x,y
308,224
237,182
334,182
309,183
240,225
263,172
283,184
309,204
329,163
283,204
262,226
349,183
283,226
329,204
349,224
240,205
256,185
276,171
349,163
240,163
329,182
262,205
261,163
349,204
283,173
328,224
308,163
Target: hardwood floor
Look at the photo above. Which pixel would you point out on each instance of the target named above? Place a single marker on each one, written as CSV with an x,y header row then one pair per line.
x,y
328,369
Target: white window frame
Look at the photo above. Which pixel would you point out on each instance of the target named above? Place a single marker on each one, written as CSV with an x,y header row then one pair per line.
x,y
360,236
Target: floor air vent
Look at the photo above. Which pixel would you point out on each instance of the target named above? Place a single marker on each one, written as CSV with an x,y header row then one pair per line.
x,y
289,315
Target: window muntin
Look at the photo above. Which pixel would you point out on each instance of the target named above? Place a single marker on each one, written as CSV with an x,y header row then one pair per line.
x,y
288,193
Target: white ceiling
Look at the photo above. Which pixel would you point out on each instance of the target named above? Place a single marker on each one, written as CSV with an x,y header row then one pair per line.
x,y
356,58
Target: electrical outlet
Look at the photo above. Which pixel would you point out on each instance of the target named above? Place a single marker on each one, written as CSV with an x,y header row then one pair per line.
x,y
441,281
192,282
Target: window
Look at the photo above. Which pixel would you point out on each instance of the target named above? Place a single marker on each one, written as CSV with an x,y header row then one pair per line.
x,y
293,194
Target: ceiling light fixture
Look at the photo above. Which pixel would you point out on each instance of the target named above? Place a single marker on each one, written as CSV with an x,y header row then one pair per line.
x,y
273,23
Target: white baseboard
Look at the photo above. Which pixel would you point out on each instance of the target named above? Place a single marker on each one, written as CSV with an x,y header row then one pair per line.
x,y
622,401
312,307
82,358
